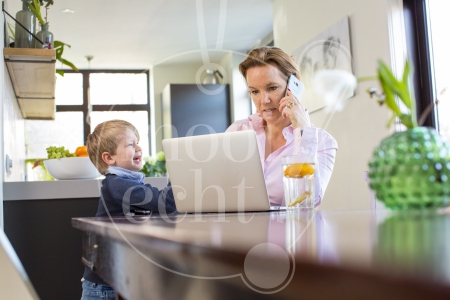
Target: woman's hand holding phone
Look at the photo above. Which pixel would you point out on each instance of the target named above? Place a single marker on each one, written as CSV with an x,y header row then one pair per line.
x,y
291,107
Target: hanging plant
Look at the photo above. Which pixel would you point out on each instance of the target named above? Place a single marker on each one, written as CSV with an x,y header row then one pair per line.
x,y
59,48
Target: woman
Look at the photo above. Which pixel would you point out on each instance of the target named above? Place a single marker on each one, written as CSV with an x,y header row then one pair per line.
x,y
282,123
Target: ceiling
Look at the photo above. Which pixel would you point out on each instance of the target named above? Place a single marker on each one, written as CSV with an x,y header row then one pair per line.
x,y
139,34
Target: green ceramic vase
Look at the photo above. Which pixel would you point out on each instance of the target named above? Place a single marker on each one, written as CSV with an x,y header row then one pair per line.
x,y
411,170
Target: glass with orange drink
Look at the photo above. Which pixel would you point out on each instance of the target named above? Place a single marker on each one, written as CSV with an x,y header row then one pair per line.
x,y
298,181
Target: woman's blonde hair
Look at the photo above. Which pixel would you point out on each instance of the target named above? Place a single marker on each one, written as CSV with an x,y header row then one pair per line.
x,y
106,138
266,55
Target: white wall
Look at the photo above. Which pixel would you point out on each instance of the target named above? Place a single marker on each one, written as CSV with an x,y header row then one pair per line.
x,y
239,100
11,129
2,155
160,76
362,125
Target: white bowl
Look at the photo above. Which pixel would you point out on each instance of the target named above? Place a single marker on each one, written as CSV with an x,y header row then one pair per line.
x,y
71,168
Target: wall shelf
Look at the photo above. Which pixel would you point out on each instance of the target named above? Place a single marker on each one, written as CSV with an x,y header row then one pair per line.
x,y
33,77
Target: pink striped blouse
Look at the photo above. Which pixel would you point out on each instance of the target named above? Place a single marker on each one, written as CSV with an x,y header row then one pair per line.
x,y
312,141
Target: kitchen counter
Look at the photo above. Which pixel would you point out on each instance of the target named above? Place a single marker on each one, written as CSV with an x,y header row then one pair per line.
x,y
62,189
41,232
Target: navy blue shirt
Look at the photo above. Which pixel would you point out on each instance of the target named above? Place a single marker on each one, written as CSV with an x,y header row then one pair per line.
x,y
122,193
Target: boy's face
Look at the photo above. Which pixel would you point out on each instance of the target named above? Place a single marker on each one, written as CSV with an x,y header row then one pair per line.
x,y
128,153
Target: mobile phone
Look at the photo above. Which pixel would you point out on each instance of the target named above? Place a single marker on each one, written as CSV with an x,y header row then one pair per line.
x,y
296,87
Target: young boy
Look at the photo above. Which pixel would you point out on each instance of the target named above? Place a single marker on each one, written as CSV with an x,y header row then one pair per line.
x,y
113,148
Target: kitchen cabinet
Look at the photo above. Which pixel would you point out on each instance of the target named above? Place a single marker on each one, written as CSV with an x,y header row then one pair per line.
x,y
37,218
48,248
32,73
189,109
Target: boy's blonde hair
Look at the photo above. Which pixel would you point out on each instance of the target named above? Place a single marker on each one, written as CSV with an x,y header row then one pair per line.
x,y
106,138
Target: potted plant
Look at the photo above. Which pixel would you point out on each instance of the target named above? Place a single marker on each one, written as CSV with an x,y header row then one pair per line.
x,y
35,7
411,168
155,167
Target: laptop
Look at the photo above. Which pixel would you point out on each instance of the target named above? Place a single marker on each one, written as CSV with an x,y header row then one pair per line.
x,y
217,173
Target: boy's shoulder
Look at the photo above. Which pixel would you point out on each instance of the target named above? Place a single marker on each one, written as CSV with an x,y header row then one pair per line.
x,y
112,180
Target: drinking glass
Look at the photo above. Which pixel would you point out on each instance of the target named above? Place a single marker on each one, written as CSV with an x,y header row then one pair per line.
x,y
298,181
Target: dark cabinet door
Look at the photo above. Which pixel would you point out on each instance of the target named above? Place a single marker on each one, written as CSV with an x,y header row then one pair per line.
x,y
192,111
49,248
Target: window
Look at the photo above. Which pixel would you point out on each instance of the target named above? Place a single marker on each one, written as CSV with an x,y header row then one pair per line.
x,y
440,49
87,98
426,23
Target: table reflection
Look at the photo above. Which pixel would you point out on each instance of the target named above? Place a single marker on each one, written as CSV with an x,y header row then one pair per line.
x,y
417,243
399,243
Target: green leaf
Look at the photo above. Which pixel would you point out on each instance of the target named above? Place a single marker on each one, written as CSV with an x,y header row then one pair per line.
x,y
406,98
398,88
60,44
386,74
407,120
68,63
60,72
389,95
59,48
58,52
35,8
406,70
11,30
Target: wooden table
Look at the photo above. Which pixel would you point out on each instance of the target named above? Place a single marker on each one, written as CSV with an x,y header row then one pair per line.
x,y
307,255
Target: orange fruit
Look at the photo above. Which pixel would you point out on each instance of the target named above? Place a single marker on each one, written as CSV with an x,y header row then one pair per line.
x,y
81,151
298,170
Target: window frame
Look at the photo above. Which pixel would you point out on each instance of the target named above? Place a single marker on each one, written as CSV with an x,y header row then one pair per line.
x,y
418,45
84,107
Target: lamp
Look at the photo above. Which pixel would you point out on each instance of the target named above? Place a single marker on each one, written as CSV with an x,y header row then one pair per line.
x,y
211,78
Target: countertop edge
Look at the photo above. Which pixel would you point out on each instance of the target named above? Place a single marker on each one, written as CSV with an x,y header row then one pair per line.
x,y
62,189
